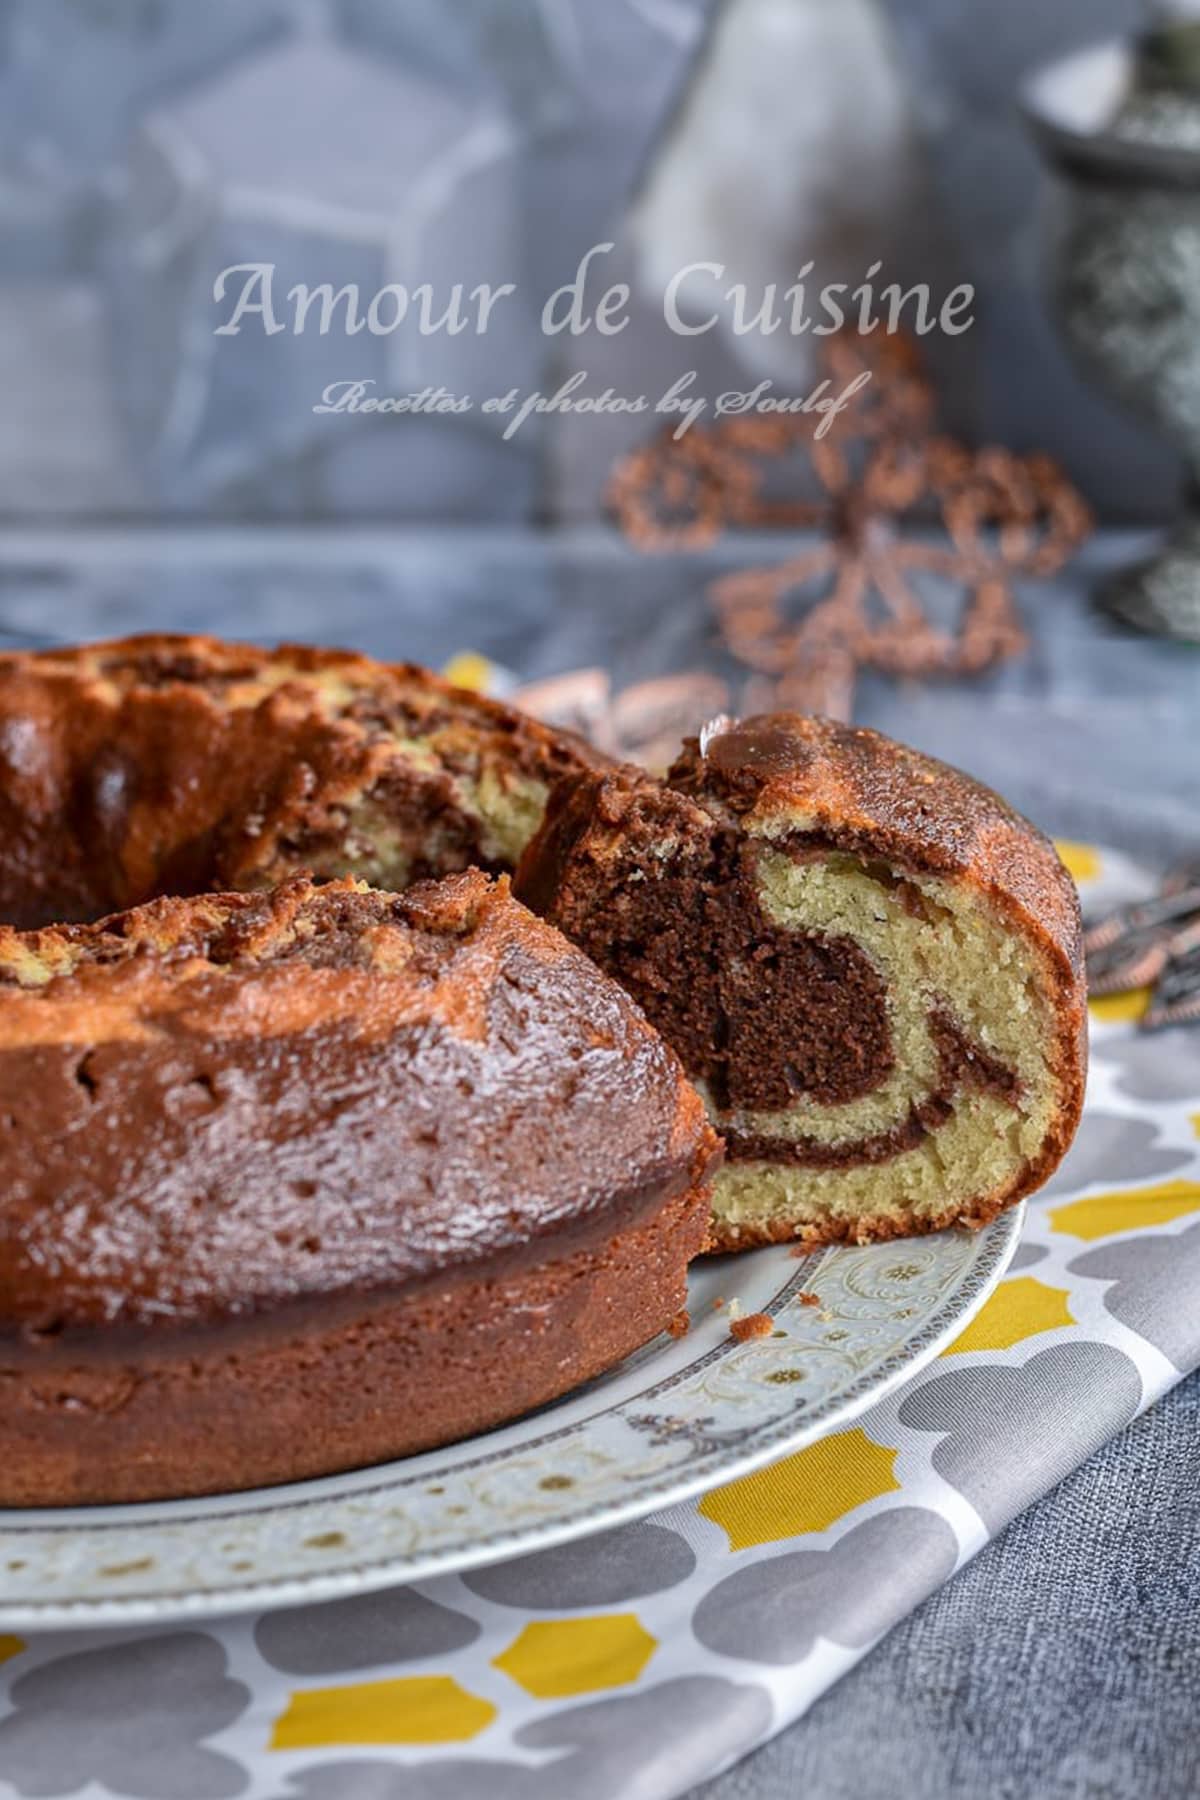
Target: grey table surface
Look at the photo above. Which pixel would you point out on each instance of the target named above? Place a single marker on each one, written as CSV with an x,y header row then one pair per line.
x,y
1064,1663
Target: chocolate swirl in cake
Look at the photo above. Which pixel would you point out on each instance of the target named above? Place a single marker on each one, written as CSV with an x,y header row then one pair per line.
x,y
869,962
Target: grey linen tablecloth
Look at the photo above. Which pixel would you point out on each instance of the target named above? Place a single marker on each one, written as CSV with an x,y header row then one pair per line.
x,y
1065,1660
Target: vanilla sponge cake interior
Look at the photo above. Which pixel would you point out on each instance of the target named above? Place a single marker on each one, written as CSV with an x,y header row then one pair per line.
x,y
869,963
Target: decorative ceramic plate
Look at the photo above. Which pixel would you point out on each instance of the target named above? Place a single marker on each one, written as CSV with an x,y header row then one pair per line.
x,y
681,1416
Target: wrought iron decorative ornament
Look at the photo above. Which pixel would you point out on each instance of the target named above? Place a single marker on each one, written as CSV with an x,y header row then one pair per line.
x,y
850,599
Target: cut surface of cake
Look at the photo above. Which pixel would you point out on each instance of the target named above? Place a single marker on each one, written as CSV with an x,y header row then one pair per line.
x,y
868,962
297,1181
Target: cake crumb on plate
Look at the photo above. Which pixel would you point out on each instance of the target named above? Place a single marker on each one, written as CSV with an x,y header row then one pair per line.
x,y
754,1325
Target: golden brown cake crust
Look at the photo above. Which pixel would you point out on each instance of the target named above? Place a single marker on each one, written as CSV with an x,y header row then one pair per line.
x,y
341,1385
246,1133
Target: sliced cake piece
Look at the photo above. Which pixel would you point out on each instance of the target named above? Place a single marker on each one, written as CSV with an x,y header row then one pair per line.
x,y
868,962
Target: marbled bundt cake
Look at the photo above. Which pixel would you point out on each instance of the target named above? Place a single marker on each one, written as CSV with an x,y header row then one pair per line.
x,y
869,963
297,1177
296,1181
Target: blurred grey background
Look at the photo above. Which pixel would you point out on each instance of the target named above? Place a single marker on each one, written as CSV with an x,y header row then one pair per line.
x,y
145,144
